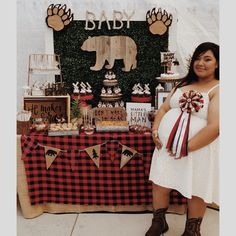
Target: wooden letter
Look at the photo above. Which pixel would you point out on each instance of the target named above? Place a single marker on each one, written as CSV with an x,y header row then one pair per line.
x,y
117,16
128,17
103,15
88,19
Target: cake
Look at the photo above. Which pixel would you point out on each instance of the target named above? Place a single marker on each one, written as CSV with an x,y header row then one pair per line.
x,y
169,63
85,92
141,99
110,97
110,93
169,76
110,79
140,94
86,97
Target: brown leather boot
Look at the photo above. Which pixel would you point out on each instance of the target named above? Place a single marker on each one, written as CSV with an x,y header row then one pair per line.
x,y
159,224
192,227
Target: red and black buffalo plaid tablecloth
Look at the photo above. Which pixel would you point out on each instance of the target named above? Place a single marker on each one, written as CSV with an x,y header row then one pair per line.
x,y
73,178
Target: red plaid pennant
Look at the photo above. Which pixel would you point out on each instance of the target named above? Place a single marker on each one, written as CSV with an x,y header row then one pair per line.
x,y
29,145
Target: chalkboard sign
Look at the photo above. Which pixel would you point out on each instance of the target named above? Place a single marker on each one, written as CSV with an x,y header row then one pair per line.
x,y
48,107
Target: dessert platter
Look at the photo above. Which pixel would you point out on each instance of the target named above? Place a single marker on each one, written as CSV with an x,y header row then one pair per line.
x,y
112,126
110,93
58,129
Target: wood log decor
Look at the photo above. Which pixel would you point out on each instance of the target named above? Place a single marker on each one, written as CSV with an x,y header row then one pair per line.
x,y
110,48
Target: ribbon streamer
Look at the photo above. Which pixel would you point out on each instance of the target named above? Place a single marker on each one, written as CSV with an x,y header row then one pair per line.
x,y
190,101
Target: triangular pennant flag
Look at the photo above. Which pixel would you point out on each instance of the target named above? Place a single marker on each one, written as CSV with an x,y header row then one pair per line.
x,y
50,155
111,148
73,155
126,154
94,153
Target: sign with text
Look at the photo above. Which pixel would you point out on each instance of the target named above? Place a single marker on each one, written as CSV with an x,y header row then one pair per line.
x,y
137,113
109,114
48,107
167,56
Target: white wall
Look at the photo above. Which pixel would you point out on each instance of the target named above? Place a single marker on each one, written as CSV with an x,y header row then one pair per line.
x,y
194,21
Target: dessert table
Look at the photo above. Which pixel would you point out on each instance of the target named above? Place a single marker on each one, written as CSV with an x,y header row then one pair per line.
x,y
86,173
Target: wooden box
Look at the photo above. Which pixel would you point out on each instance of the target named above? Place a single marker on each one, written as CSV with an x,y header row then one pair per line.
x,y
23,127
48,107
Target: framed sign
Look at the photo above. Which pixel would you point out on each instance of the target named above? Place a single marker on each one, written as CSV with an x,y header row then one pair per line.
x,y
48,107
137,113
167,57
160,98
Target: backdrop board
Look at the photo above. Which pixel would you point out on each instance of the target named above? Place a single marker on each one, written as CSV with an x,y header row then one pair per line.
x,y
81,65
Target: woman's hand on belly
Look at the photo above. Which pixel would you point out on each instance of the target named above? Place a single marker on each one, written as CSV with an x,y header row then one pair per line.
x,y
156,139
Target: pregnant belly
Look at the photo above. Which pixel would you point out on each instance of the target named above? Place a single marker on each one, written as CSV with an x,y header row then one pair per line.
x,y
169,120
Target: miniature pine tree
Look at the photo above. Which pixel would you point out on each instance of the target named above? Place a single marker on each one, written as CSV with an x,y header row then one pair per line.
x,y
75,110
95,155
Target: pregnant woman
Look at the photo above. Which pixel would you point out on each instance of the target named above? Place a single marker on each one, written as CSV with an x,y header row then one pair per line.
x,y
185,132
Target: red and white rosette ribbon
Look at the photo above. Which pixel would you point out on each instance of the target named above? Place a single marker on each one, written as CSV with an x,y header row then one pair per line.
x,y
190,101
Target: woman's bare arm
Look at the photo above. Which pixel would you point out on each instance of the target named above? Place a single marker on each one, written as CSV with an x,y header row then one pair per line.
x,y
209,133
165,107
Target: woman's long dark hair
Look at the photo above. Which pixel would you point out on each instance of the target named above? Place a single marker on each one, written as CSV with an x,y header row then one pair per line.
x,y
191,76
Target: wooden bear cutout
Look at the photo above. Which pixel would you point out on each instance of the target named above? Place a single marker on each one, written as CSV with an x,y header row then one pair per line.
x,y
110,48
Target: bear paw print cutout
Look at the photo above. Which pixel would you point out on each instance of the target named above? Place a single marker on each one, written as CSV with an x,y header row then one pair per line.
x,y
159,21
58,17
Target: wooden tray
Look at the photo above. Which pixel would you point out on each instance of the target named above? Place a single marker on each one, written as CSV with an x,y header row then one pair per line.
x,y
63,132
112,128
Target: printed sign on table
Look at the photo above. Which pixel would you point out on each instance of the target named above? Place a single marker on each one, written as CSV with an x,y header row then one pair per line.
x,y
137,113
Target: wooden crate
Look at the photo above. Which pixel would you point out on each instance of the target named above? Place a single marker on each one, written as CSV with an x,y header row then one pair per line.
x,y
48,106
23,127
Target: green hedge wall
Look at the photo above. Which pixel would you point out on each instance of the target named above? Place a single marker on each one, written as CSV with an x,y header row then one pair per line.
x,y
76,63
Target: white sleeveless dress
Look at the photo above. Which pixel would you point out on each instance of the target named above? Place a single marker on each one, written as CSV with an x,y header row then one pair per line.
x,y
195,174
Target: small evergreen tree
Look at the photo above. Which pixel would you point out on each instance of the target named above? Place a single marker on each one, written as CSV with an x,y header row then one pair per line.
x,y
95,155
75,110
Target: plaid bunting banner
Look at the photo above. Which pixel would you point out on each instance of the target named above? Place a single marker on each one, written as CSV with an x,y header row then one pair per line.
x,y
126,154
29,145
94,153
50,155
72,155
86,184
112,147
